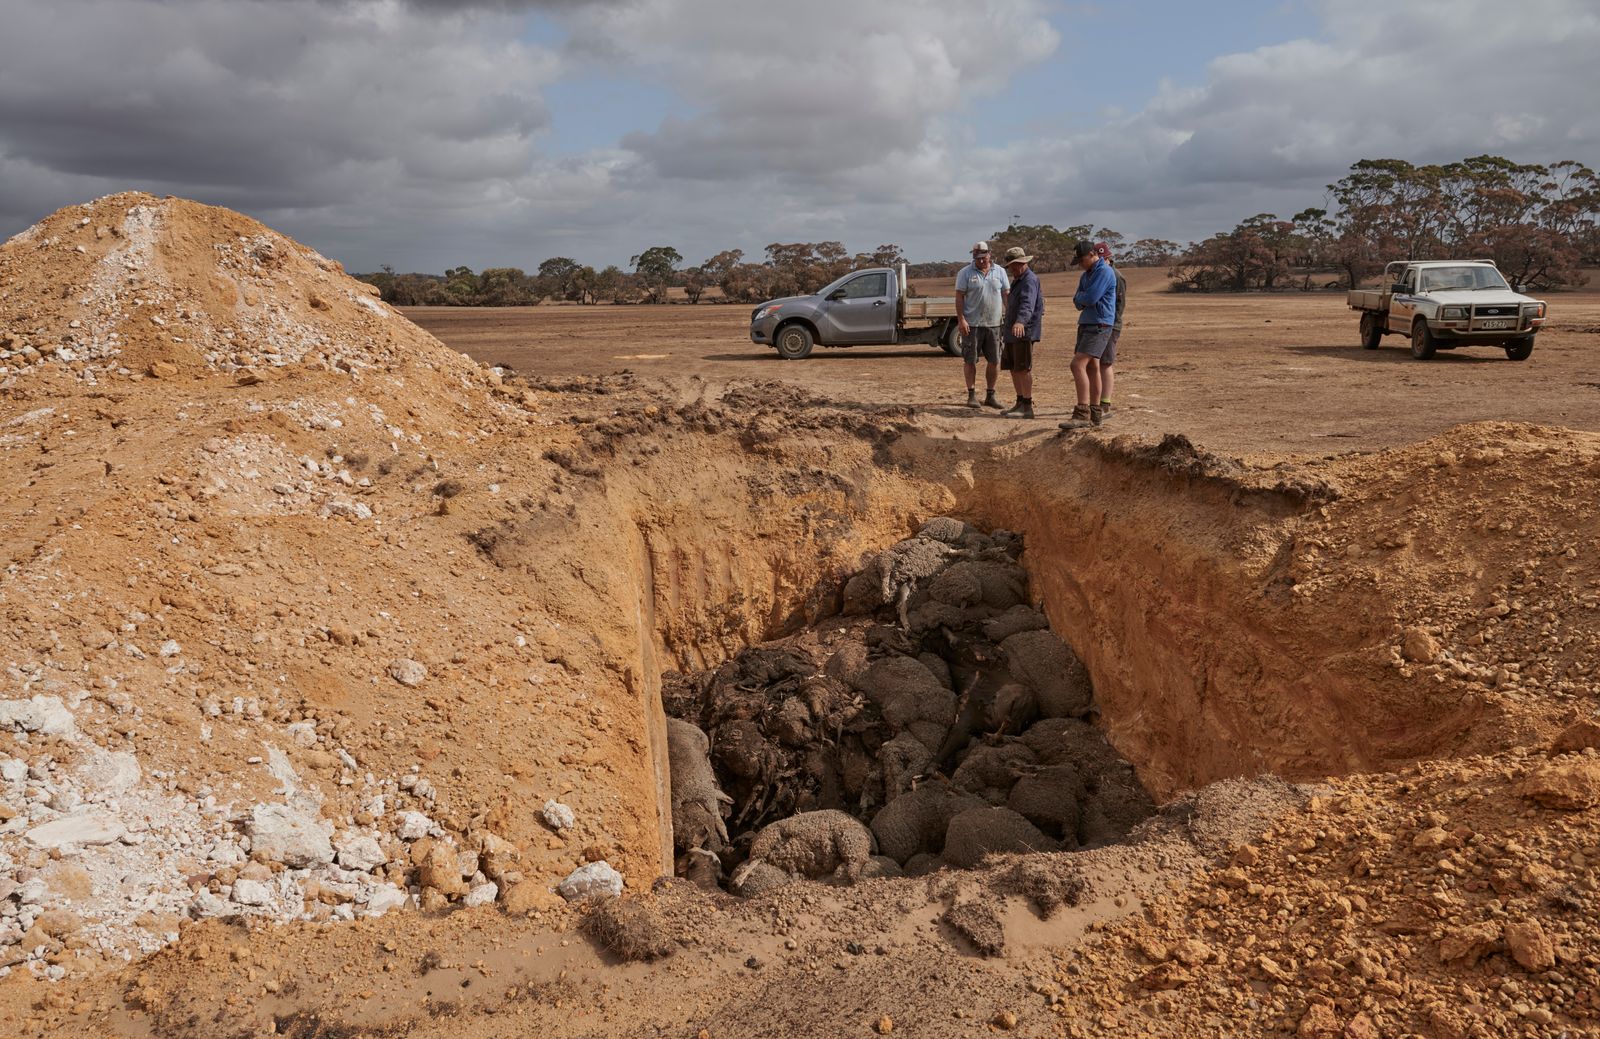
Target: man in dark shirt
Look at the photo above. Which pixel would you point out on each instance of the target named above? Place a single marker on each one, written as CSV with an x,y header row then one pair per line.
x,y
1023,327
1106,375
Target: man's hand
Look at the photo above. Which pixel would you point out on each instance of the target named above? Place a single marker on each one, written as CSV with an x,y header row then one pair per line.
x,y
961,322
1017,331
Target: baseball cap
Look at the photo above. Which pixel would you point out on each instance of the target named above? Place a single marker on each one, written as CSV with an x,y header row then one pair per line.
x,y
980,247
1083,249
1102,250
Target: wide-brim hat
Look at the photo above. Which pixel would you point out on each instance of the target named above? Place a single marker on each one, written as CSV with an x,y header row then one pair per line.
x,y
1016,254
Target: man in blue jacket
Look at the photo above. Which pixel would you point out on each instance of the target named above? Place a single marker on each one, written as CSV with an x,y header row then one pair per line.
x,y
1024,325
1096,299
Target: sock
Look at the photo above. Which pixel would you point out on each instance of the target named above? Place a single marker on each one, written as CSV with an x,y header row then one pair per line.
x,y
1105,400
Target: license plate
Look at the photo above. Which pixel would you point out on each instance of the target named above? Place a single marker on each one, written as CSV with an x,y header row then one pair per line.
x,y
1496,324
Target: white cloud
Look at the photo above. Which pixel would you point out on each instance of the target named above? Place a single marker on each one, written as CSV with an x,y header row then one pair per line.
x,y
1426,81
811,95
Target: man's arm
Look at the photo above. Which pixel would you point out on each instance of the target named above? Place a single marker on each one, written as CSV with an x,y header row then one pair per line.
x,y
1108,293
1027,306
1030,301
961,312
1092,286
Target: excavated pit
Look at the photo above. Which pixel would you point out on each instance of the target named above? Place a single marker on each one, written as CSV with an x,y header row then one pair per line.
x,y
1183,584
936,721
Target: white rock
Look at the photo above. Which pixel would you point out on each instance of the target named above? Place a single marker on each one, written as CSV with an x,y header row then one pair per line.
x,y
594,880
355,509
407,672
558,816
89,827
46,715
110,772
413,826
252,892
482,894
385,897
359,851
293,838
13,770
32,892
170,648
206,904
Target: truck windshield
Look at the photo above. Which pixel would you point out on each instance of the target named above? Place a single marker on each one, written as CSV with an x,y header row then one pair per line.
x,y
1439,279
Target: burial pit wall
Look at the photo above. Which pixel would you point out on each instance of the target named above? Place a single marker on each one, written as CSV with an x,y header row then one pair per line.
x,y
1165,568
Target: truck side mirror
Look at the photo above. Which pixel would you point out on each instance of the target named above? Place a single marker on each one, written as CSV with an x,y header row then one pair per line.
x,y
1397,287
836,295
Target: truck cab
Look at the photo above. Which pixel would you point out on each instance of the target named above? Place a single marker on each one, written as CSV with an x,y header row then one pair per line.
x,y
1446,304
862,308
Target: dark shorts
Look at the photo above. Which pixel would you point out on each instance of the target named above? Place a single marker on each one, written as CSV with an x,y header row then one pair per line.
x,y
1017,356
981,341
1093,340
1109,358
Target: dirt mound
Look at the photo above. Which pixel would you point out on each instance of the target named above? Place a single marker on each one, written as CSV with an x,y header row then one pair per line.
x,y
273,645
135,285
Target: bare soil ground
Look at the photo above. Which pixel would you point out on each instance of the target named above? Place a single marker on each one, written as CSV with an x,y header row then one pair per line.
x,y
307,617
1245,375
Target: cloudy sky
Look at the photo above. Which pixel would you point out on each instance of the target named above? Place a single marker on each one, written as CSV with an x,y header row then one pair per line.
x,y
432,133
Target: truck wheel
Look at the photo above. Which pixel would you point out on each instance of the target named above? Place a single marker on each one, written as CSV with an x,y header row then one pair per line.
x,y
793,342
950,341
1422,344
1371,331
1519,349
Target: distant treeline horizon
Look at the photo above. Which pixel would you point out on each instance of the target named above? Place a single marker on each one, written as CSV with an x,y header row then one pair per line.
x,y
1539,223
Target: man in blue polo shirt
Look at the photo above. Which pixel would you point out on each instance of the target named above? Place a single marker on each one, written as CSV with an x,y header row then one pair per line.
x,y
981,289
1096,299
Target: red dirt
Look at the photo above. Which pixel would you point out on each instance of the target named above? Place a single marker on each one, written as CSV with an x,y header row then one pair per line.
x,y
1407,632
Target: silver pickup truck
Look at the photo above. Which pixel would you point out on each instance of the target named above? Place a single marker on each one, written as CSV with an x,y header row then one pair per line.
x,y
865,307
1443,304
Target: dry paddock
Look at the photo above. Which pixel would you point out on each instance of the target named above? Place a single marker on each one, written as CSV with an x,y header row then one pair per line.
x,y
1240,374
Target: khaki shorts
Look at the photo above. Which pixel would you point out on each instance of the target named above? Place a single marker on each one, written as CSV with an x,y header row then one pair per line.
x,y
1017,356
982,340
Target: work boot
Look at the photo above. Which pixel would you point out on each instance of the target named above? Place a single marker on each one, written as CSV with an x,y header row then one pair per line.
x,y
1097,414
991,401
1105,408
1015,410
1027,408
1081,419
972,398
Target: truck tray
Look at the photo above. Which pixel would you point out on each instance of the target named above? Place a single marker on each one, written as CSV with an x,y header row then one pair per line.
x,y
930,307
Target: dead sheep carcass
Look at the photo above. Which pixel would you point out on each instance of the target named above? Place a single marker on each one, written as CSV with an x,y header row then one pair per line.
x,y
910,698
698,804
1052,670
915,822
825,844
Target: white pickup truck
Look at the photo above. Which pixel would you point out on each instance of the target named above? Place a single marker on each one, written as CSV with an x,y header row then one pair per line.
x,y
1444,304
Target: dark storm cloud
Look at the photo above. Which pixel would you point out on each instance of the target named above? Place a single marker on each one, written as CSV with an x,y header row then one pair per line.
x,y
416,131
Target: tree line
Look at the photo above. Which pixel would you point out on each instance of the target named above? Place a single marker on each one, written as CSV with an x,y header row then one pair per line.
x,y
1540,225
789,269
